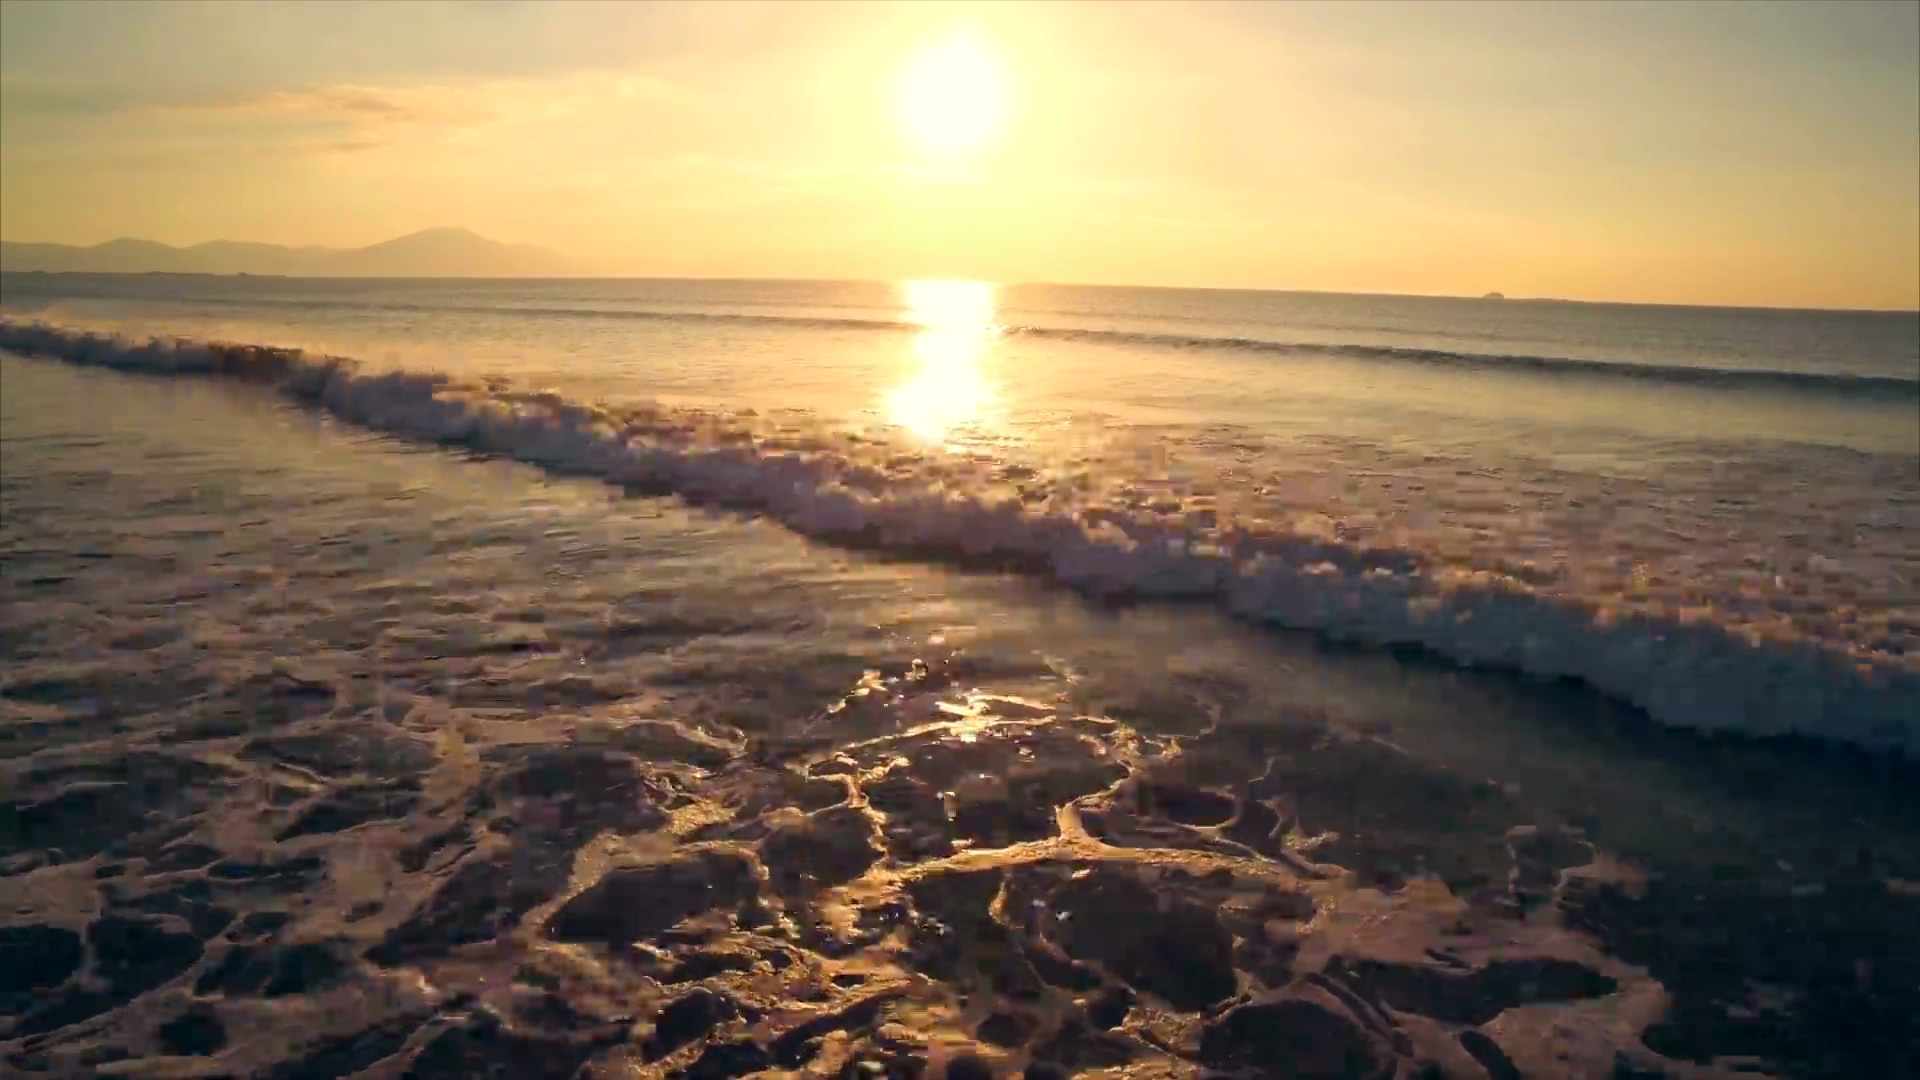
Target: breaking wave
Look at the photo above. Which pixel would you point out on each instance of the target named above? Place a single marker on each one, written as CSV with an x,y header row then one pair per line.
x,y
1685,669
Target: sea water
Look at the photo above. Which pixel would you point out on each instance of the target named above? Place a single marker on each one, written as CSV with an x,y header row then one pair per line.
x,y
375,650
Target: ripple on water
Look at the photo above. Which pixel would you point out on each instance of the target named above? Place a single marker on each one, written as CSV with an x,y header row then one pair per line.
x,y
310,824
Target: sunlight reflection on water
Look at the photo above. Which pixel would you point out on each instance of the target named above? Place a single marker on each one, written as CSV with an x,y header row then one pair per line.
x,y
949,390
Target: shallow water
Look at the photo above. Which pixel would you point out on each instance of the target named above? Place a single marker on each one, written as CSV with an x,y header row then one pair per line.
x,y
325,751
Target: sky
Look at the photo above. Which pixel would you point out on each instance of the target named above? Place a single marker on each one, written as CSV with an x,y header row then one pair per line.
x,y
1722,153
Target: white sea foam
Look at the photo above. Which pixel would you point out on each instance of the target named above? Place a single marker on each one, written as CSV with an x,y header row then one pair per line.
x,y
1694,669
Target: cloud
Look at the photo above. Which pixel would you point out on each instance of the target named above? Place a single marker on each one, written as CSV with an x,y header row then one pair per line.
x,y
355,144
356,118
371,109
352,100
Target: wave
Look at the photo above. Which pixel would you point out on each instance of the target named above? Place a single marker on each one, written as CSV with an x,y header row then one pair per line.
x,y
1686,672
1834,383
1840,383
1831,382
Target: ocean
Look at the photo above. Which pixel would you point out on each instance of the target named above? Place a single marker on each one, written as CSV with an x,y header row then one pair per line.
x,y
696,678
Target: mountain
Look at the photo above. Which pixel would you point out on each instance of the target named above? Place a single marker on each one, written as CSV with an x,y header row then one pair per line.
x,y
447,253
430,253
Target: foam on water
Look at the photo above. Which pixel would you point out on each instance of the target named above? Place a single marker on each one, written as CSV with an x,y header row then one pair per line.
x,y
1752,668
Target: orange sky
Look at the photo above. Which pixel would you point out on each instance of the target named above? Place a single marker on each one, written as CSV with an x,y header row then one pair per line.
x,y
1747,154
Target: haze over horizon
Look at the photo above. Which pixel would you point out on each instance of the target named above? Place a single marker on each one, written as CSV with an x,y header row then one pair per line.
x,y
1755,155
452,252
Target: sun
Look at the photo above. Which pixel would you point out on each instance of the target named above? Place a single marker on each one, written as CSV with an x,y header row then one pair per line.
x,y
953,96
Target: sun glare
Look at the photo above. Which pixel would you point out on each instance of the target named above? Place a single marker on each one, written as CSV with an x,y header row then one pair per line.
x,y
953,97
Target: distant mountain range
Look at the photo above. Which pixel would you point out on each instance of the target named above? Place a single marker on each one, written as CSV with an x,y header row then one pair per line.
x,y
430,253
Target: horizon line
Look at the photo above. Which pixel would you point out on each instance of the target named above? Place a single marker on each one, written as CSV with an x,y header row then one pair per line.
x,y
1292,291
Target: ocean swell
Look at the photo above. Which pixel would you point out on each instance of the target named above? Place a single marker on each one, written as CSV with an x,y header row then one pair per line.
x,y
1846,384
1685,670
1825,382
